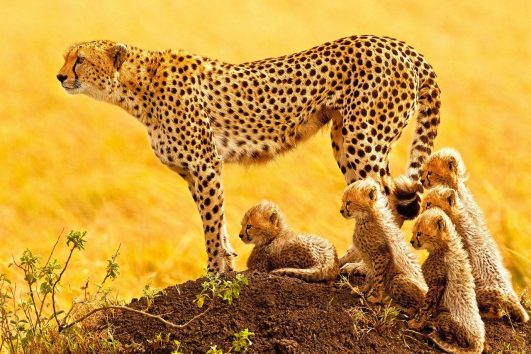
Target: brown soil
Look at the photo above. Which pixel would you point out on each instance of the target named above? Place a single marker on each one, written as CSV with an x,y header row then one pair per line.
x,y
287,316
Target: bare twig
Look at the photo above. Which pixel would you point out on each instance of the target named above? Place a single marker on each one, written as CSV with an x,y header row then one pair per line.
x,y
143,313
54,285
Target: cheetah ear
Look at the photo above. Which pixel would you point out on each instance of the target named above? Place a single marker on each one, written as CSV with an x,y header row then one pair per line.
x,y
118,53
372,193
440,223
451,198
273,218
452,163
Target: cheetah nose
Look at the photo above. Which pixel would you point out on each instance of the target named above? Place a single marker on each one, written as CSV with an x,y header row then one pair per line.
x,y
342,211
61,77
412,242
241,236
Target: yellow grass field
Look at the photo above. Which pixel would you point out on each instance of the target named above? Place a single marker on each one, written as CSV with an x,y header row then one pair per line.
x,y
69,162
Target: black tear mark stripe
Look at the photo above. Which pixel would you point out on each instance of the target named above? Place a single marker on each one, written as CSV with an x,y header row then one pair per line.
x,y
74,69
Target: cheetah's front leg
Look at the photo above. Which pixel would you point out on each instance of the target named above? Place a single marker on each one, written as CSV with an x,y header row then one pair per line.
x,y
207,190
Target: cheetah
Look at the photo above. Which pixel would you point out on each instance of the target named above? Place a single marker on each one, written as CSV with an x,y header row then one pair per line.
x,y
200,113
451,299
280,250
392,269
494,292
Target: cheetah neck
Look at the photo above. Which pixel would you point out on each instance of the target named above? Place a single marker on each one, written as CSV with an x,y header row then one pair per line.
x,y
134,82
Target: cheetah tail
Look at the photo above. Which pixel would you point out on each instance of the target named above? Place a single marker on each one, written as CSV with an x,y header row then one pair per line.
x,y
452,347
308,274
406,195
429,103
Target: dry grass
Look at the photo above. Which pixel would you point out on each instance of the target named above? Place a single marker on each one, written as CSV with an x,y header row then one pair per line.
x,y
73,163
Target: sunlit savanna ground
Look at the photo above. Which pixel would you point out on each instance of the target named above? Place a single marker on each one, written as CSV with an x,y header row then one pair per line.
x,y
69,162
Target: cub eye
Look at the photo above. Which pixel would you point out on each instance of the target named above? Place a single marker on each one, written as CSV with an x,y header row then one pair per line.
x,y
80,60
248,226
428,173
428,205
418,234
347,204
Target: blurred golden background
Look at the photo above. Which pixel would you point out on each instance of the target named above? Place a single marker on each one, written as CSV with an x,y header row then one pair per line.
x,y
69,162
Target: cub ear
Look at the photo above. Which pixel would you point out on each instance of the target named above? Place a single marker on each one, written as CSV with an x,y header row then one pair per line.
x,y
451,197
452,163
440,223
118,53
371,193
274,218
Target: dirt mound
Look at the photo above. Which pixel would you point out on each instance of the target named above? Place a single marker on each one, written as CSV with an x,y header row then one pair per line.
x,y
287,316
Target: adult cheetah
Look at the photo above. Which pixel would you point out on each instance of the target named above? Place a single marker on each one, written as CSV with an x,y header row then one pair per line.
x,y
200,112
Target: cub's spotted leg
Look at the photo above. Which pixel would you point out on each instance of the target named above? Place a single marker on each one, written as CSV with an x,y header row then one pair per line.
x,y
405,294
205,184
430,304
381,267
490,303
259,260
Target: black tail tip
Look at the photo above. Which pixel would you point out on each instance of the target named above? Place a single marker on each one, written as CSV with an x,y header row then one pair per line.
x,y
407,197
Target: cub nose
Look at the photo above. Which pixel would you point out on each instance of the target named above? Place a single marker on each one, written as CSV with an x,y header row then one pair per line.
x,y
412,242
241,236
61,77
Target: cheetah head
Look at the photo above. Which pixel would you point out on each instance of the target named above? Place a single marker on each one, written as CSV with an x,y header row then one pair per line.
x,y
431,230
262,223
92,68
444,167
360,198
441,197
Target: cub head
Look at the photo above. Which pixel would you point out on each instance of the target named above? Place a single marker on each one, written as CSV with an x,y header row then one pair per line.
x,y
360,197
92,68
431,230
262,223
440,197
444,167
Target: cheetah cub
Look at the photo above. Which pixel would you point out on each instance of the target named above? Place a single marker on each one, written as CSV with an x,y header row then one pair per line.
x,y
392,269
451,300
494,292
280,250
446,168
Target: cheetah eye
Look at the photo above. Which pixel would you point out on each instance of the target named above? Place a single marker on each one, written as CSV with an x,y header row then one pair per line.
x,y
429,173
248,226
80,60
418,234
348,203
428,205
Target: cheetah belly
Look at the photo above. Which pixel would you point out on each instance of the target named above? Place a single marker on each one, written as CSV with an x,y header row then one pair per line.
x,y
262,144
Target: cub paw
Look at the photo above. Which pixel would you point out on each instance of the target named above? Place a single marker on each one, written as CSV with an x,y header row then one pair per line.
x,y
415,324
356,268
